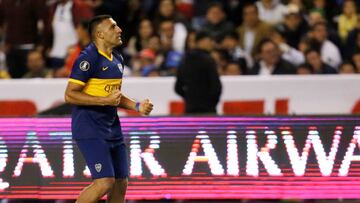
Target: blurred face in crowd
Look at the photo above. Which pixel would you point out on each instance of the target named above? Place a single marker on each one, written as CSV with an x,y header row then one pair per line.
x,y
215,15
319,3
35,61
270,53
229,43
250,15
349,8
314,59
154,43
320,32
293,21
82,33
303,70
347,68
167,29
166,8
315,17
190,40
206,44
145,29
232,69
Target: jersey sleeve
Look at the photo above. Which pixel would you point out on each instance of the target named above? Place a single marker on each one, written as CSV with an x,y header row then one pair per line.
x,y
82,69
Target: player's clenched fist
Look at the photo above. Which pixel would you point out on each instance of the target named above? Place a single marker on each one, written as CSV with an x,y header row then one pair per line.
x,y
146,107
114,98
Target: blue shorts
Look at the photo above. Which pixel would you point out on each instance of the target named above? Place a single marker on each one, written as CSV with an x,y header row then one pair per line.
x,y
105,158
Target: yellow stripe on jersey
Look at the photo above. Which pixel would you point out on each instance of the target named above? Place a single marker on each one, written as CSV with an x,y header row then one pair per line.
x,y
101,87
79,82
106,56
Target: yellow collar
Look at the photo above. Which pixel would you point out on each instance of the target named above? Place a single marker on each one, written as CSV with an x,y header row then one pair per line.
x,y
106,56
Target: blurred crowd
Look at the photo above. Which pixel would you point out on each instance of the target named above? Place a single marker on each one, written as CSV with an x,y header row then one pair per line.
x,y
42,38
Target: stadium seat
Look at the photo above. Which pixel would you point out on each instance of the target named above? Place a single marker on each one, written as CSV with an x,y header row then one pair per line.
x,y
243,107
17,108
177,108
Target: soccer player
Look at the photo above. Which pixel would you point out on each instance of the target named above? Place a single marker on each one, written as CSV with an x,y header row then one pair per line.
x,y
94,88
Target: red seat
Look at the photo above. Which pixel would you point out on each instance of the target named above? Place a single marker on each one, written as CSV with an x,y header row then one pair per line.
x,y
17,108
243,107
177,108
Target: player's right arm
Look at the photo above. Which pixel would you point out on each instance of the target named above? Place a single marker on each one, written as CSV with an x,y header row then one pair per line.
x,y
74,95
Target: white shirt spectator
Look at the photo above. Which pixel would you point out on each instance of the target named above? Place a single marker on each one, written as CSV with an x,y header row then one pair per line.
x,y
265,70
291,54
273,15
330,54
64,30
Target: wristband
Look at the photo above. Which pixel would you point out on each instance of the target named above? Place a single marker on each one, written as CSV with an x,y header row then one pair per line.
x,y
137,106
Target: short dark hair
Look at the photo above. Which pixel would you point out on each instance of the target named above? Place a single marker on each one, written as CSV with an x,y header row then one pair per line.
x,y
262,44
201,35
95,22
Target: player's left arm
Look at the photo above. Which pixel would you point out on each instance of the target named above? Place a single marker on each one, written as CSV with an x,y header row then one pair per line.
x,y
144,107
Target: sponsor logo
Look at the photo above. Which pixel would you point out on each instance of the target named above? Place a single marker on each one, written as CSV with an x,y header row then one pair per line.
x,y
105,68
110,88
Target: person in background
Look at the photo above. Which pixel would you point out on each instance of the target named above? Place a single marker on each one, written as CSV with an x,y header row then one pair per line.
x,y
197,80
73,52
63,16
304,69
347,19
270,60
271,11
141,39
330,53
36,66
233,68
347,68
252,30
216,23
313,58
20,20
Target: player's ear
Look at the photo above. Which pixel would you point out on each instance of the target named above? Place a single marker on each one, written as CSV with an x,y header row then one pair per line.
x,y
99,34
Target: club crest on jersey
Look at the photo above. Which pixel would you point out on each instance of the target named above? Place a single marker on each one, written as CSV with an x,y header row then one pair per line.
x,y
84,65
121,68
98,167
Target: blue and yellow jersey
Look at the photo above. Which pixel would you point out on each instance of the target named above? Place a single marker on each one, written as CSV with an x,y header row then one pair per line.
x,y
100,75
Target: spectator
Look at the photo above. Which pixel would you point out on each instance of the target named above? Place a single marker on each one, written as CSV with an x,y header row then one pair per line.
x,y
221,58
141,39
288,53
271,11
313,57
64,15
234,68
21,32
73,52
294,27
330,53
197,79
147,63
215,22
270,62
230,42
252,30
167,12
347,68
4,74
353,36
36,66
347,19
304,69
